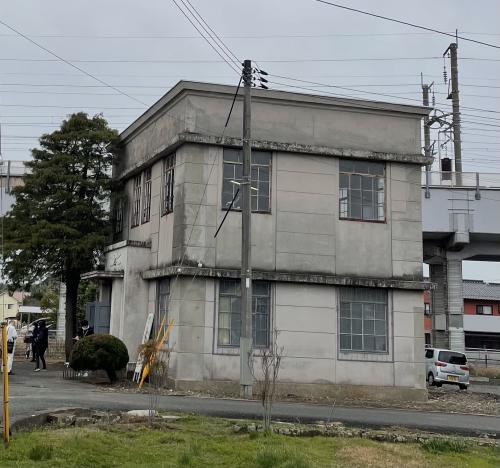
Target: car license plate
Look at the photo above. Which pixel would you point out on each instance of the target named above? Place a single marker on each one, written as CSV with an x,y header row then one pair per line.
x,y
453,378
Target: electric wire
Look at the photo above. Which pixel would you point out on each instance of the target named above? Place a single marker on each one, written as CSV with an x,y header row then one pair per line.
x,y
406,23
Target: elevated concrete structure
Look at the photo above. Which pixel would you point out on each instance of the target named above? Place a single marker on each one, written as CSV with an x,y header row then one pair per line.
x,y
461,221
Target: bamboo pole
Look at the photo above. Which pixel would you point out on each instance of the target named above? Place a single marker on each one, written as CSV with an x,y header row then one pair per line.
x,y
5,400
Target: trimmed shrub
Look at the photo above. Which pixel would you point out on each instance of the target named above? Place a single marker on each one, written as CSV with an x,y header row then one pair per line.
x,y
95,352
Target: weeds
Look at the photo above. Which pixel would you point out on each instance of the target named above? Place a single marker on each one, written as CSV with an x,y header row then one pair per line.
x,y
187,457
40,452
437,446
271,458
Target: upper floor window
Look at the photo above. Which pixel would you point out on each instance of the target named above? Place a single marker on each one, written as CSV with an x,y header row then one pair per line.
x,y
229,329
362,190
146,201
167,204
261,179
427,309
136,201
119,210
363,320
484,310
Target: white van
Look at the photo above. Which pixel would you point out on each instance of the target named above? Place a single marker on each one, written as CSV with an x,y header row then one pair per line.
x,y
443,366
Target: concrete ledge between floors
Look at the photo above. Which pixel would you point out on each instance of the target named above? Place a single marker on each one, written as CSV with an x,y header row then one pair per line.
x,y
288,277
309,391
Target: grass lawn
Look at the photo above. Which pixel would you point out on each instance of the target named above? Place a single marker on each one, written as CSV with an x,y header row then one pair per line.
x,y
205,442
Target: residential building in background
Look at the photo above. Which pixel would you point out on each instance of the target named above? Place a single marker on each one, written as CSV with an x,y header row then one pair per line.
x,y
9,306
481,304
336,239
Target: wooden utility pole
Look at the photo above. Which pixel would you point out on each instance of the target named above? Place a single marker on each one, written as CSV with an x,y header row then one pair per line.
x,y
246,378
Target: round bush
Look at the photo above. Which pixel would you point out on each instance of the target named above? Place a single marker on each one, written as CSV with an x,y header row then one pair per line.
x,y
95,352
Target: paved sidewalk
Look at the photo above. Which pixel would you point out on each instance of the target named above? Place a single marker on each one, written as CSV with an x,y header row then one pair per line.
x,y
35,392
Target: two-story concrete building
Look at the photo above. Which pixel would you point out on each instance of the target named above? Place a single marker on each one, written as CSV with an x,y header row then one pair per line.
x,y
336,239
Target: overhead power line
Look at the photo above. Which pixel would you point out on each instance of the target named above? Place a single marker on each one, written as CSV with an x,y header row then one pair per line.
x,y
76,67
406,23
297,60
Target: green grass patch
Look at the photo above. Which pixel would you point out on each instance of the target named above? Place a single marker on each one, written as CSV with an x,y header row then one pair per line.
x,y
40,452
201,442
445,446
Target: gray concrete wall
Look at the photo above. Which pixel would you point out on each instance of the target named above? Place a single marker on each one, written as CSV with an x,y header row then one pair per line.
x,y
306,318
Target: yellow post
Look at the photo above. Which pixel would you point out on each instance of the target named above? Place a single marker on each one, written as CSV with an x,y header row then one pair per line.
x,y
6,420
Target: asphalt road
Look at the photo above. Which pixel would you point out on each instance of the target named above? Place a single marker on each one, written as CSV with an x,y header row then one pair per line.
x,y
31,393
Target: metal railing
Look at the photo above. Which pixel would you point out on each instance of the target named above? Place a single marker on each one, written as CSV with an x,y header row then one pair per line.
x,y
461,179
483,357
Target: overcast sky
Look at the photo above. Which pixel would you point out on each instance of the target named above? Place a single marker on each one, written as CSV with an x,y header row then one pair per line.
x,y
144,48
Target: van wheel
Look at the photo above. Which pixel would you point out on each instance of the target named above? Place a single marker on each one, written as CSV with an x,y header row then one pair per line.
x,y
430,379
463,387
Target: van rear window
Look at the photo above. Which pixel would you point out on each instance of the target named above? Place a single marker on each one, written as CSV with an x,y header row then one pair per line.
x,y
452,358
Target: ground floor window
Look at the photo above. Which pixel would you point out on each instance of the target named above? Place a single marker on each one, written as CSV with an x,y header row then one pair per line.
x,y
427,339
162,299
229,322
363,320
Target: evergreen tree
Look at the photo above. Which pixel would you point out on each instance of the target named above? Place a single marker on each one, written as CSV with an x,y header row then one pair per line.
x,y
60,221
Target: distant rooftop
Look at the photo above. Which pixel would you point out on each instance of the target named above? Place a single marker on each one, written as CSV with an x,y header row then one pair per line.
x,y
481,290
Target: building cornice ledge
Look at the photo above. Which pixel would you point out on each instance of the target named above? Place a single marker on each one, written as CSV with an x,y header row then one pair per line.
x,y
127,243
269,145
287,277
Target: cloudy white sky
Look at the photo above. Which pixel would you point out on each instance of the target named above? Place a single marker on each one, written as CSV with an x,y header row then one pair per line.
x,y
143,48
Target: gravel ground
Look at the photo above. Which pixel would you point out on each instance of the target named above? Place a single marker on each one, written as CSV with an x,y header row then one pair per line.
x,y
445,399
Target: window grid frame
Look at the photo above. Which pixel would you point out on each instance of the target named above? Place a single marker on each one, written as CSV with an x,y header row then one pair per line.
x,y
345,193
362,319
236,296
136,201
119,216
167,186
238,162
146,198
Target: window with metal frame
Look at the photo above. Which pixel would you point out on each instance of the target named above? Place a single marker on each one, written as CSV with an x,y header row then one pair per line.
x,y
427,309
162,299
136,201
261,179
362,190
119,212
146,201
229,321
167,205
363,324
484,309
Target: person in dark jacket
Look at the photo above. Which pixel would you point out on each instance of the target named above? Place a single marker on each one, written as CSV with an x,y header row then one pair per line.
x,y
30,350
84,330
41,345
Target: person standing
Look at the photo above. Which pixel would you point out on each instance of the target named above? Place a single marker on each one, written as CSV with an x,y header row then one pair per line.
x,y
11,344
32,341
41,345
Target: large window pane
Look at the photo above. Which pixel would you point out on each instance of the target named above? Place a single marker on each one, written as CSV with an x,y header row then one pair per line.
x,y
260,175
136,201
167,205
361,190
230,313
363,320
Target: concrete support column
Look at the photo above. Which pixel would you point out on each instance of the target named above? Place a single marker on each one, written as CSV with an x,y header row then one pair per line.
x,y
447,305
455,305
439,298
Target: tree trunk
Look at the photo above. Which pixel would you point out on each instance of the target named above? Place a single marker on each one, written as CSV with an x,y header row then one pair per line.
x,y
72,282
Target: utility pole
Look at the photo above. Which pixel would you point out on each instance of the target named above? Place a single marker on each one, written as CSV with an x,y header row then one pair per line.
x,y
246,378
455,101
427,139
